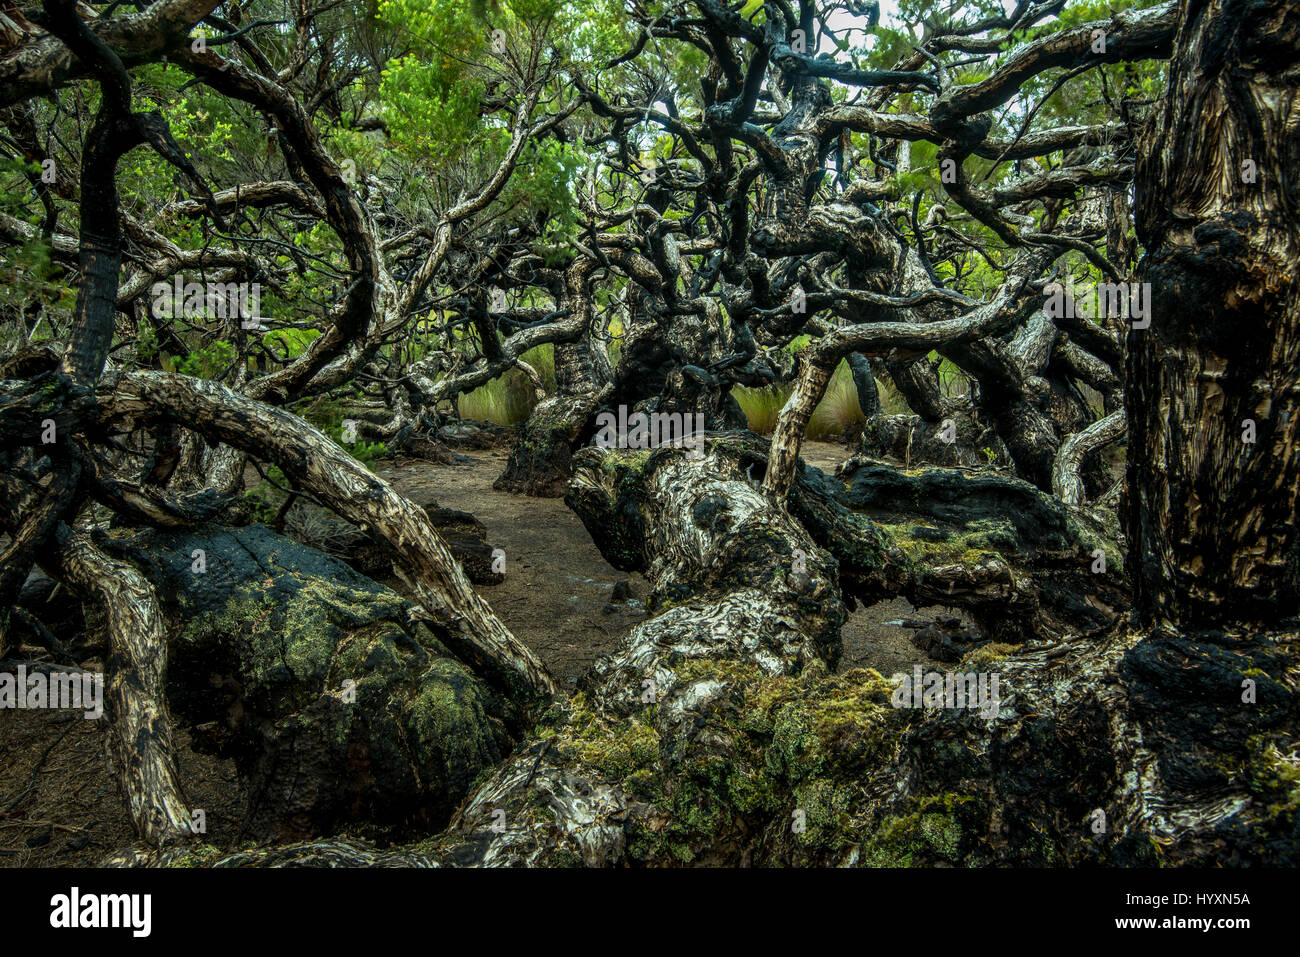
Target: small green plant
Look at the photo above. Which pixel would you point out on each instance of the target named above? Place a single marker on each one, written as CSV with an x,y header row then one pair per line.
x,y
207,362
146,343
365,452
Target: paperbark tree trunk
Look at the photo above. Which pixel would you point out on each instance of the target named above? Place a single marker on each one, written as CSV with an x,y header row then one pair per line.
x,y
1214,382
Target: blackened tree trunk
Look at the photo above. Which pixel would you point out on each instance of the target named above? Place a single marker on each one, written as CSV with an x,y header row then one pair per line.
x,y
539,463
1212,413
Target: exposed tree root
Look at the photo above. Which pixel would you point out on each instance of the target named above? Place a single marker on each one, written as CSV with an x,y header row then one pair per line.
x,y
142,748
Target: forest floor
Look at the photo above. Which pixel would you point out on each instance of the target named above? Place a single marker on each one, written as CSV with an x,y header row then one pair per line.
x,y
557,589
556,597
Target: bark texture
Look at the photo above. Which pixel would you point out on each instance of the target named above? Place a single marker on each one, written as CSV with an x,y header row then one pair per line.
x,y
1211,515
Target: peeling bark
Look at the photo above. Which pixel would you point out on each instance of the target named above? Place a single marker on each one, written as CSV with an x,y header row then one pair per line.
x,y
142,748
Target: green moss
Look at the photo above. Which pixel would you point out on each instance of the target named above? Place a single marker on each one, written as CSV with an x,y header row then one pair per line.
x,y
198,855
866,546
696,813
326,633
930,833
616,750
798,744
419,725
827,819
979,541
629,461
986,655
437,710
788,743
1090,541
1273,776
838,727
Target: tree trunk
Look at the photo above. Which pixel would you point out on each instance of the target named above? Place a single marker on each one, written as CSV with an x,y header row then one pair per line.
x,y
1214,381
539,462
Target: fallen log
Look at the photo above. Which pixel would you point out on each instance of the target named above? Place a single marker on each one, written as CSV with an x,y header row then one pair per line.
x,y
337,480
336,701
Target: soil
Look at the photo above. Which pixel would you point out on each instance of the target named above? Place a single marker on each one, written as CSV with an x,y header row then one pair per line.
x,y
60,806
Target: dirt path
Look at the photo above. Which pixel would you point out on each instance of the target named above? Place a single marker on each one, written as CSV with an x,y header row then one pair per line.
x,y
558,589
557,594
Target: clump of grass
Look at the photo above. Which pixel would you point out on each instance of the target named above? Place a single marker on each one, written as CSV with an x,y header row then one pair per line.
x,y
761,406
891,403
505,400
509,399
542,358
837,415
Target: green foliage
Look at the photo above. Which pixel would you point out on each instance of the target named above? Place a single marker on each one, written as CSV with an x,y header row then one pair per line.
x,y
431,95
364,452
328,415
207,362
265,499
288,344
432,115
29,280
146,343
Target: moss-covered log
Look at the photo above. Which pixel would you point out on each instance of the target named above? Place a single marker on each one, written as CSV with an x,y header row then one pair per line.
x,y
337,703
1019,561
